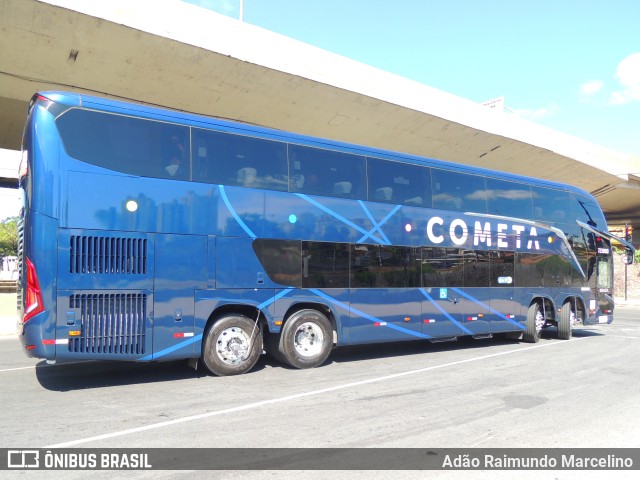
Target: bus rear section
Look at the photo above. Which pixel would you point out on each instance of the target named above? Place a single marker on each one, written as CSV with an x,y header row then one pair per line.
x,y
37,233
83,293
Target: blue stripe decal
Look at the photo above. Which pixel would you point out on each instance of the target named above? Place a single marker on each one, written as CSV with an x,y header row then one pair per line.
x,y
336,215
226,201
167,351
484,305
186,343
453,320
346,307
376,225
274,298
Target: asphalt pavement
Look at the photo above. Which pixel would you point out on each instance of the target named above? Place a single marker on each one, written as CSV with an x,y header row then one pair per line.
x,y
493,393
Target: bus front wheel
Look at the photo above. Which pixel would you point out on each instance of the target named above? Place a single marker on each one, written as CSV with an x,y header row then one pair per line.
x,y
232,345
306,339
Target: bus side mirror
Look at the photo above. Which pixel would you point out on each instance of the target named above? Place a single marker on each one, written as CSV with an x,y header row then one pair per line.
x,y
628,257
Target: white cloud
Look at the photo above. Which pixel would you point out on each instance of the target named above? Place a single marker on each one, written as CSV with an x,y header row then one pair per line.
x,y
628,74
538,113
591,87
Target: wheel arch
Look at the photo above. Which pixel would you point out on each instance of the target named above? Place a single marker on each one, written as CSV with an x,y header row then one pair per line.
x,y
577,302
319,306
546,303
249,311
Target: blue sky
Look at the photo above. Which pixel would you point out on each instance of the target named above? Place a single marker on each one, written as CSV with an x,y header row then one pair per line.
x,y
570,65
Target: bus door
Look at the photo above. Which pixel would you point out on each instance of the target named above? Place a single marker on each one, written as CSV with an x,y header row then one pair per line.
x,y
444,313
180,268
445,308
505,310
604,280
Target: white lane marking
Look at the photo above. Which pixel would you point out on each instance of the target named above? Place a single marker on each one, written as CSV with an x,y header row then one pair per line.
x,y
17,368
483,438
47,365
297,396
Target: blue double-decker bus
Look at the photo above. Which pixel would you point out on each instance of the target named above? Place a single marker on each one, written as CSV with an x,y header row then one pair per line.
x,y
150,234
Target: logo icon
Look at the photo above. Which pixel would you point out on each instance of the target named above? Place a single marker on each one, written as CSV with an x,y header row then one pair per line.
x,y
23,459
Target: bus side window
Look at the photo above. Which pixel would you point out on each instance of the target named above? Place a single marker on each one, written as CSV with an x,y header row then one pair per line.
x,y
458,191
476,268
281,260
231,159
176,161
442,267
502,265
510,199
394,182
529,269
551,205
325,265
200,162
381,266
324,172
125,144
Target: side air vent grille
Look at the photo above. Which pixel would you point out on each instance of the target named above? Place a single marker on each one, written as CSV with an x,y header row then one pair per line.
x,y
108,255
110,323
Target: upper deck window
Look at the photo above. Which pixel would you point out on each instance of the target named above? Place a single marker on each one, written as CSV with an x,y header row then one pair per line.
x,y
509,199
551,205
458,191
398,183
230,159
126,144
324,172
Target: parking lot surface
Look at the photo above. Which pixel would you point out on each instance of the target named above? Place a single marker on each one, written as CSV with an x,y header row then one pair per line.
x,y
497,393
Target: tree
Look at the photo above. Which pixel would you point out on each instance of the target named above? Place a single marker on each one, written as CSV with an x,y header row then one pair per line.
x,y
9,237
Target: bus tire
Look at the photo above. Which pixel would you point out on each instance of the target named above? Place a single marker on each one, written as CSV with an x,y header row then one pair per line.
x,y
306,339
535,321
272,346
565,325
232,345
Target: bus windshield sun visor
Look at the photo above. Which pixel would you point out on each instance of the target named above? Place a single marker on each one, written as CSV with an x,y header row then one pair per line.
x,y
557,231
630,249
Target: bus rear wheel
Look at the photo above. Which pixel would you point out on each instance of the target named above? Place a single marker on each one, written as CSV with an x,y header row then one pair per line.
x,y
535,322
565,323
232,345
306,339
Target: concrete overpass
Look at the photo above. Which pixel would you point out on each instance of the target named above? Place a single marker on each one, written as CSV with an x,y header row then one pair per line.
x,y
172,54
